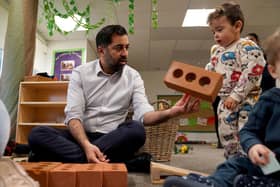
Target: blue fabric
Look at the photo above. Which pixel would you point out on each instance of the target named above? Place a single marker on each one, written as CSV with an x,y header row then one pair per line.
x,y
263,126
192,180
267,81
247,180
227,171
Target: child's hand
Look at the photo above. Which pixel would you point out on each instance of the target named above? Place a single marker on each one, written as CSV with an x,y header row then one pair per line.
x,y
259,154
230,103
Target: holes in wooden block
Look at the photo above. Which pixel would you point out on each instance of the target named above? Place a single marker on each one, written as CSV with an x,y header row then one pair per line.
x,y
190,77
178,73
204,81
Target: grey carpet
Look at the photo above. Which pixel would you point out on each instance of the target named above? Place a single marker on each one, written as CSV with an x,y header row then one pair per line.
x,y
202,158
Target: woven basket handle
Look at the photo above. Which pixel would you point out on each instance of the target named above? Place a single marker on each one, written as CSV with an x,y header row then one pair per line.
x,y
162,104
192,104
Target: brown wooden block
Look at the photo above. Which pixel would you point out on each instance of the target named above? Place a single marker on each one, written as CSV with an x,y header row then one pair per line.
x,y
89,175
39,171
193,80
158,170
114,175
62,176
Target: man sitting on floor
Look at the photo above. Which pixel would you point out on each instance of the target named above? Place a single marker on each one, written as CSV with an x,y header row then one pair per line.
x,y
99,96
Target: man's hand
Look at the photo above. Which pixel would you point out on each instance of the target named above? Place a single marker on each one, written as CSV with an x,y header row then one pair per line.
x,y
259,154
230,103
186,104
94,154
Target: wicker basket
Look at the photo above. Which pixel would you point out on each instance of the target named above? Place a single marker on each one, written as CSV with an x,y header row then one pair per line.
x,y
160,138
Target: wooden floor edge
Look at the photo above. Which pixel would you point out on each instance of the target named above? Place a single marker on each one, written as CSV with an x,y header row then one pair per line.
x,y
158,169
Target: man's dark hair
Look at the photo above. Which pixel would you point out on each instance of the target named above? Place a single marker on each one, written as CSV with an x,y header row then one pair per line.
x,y
231,11
104,36
252,34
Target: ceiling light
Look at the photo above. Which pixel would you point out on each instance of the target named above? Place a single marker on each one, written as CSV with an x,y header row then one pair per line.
x,y
69,24
196,17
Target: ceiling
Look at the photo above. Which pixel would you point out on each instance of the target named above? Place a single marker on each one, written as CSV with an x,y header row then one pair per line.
x,y
154,49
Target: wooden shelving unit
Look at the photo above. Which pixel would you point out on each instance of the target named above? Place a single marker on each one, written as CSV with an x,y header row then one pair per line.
x,y
40,103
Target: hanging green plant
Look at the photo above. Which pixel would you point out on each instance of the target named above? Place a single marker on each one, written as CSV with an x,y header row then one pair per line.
x,y
154,14
81,18
131,7
131,17
130,14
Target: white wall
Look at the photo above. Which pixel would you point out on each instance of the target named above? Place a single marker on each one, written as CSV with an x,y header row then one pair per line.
x,y
44,53
154,85
61,45
91,53
41,55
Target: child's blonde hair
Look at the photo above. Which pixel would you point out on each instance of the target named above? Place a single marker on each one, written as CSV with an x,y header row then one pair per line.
x,y
272,47
231,11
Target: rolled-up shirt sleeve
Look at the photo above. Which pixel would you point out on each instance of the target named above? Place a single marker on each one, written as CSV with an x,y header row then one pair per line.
x,y
139,100
75,99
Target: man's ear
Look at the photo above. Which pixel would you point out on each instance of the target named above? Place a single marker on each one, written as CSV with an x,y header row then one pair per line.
x,y
100,50
272,70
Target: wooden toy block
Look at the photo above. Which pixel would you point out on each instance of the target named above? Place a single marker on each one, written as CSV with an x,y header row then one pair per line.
x,y
160,171
89,175
193,80
114,175
39,171
62,176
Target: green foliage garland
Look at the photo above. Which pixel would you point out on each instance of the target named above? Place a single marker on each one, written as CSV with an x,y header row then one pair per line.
x,y
131,17
71,9
154,14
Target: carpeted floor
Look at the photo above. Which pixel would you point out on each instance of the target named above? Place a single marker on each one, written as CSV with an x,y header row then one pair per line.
x,y
203,158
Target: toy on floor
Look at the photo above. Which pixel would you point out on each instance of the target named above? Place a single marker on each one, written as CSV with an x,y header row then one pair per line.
x,y
181,137
182,148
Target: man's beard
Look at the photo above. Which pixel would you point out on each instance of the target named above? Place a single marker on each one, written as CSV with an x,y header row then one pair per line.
x,y
119,65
